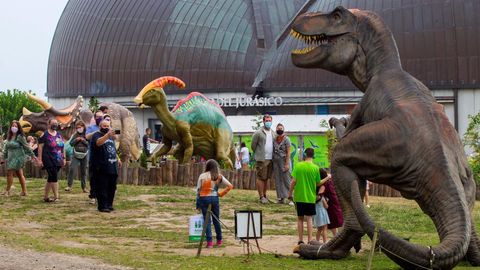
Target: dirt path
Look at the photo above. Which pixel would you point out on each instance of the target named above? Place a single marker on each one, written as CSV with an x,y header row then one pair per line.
x,y
27,259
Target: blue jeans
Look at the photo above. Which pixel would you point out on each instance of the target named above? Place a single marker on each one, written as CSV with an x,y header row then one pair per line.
x,y
203,204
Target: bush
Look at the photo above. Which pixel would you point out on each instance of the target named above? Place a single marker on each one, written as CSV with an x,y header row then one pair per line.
x,y
143,160
471,138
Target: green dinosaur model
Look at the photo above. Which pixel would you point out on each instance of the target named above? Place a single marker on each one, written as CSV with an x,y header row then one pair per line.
x,y
197,123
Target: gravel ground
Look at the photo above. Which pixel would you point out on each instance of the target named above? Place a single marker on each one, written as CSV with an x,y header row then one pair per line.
x,y
27,259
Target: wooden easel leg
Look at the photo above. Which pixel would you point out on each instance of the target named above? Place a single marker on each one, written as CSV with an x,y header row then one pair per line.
x,y
248,235
254,232
205,222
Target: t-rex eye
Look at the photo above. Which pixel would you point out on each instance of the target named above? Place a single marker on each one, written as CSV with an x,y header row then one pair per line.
x,y
336,16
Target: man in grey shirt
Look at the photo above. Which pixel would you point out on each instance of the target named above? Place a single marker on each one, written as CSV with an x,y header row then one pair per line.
x,y
262,146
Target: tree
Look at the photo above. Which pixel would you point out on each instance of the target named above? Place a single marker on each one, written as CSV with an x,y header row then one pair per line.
x,y
93,104
11,105
257,121
331,138
471,139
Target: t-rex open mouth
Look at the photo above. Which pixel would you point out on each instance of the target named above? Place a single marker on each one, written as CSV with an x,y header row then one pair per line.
x,y
319,40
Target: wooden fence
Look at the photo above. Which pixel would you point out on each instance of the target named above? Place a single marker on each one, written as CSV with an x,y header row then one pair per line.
x,y
173,174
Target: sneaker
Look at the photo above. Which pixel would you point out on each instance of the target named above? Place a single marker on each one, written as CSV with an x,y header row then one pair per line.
x,y
68,189
105,210
219,243
93,201
209,244
85,190
368,205
281,201
264,200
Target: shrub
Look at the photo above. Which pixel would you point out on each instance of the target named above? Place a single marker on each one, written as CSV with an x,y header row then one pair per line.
x,y
471,139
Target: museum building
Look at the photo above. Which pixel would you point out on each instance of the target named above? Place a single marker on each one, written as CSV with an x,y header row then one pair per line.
x,y
233,50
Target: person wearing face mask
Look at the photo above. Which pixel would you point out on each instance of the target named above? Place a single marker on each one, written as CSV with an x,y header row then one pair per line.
x,y
281,164
104,165
15,152
52,157
80,156
262,146
92,129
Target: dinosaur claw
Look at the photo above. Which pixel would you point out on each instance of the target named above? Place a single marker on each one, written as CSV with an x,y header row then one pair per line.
x,y
331,122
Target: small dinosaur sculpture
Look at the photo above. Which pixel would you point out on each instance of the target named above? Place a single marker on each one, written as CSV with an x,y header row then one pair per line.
x,y
197,123
397,135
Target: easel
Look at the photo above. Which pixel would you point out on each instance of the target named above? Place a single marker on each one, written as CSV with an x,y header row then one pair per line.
x,y
207,219
250,216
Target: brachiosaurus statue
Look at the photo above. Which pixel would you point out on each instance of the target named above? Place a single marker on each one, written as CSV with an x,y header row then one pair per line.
x,y
197,123
397,135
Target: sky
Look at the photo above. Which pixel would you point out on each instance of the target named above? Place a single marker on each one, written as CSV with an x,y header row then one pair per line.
x,y
26,32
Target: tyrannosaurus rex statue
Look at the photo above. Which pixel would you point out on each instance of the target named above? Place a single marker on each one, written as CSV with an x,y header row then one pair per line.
x,y
196,123
397,135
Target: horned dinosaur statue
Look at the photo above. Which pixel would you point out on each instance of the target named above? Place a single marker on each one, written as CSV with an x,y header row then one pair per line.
x,y
197,123
397,135
122,119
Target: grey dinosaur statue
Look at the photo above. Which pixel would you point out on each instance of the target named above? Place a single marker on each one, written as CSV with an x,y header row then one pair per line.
x,y
397,135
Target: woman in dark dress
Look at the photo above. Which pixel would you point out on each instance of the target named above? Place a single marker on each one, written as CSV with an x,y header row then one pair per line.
x,y
334,211
51,157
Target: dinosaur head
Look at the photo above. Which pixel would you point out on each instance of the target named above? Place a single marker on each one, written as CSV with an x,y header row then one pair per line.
x,y
153,93
36,122
331,40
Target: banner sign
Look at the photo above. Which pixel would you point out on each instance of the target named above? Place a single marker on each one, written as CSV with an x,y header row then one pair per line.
x,y
249,102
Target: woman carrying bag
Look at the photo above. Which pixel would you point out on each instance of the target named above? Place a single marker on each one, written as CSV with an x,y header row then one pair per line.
x,y
80,156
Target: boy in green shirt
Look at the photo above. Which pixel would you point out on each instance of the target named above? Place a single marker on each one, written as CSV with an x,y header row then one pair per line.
x,y
305,179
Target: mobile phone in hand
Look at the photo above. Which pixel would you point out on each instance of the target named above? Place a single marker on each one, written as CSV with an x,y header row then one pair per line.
x,y
117,131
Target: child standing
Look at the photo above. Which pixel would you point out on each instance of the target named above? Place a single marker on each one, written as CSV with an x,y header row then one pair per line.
x,y
321,219
207,193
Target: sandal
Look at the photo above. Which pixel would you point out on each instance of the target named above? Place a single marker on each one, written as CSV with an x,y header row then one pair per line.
x,y
23,193
6,193
300,243
48,200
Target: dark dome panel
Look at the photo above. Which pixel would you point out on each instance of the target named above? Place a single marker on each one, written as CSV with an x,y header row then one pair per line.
x,y
437,41
106,48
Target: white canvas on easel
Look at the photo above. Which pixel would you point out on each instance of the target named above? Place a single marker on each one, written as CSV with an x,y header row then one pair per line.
x,y
241,223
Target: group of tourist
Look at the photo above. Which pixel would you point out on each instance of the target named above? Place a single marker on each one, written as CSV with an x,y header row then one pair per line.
x,y
94,154
309,187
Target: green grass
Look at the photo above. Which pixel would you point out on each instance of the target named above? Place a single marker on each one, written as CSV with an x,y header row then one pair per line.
x,y
149,228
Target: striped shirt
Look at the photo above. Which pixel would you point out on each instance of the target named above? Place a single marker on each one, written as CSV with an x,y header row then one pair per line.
x,y
207,187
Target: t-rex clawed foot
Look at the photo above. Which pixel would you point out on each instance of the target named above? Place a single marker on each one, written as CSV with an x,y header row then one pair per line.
x,y
337,248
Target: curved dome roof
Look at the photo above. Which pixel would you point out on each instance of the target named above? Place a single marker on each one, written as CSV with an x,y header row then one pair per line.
x,y
437,41
106,48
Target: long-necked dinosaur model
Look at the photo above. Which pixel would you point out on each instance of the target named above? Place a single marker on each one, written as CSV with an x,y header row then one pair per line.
x,y
397,135
197,123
